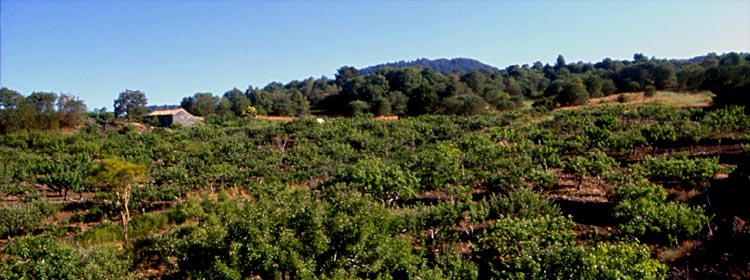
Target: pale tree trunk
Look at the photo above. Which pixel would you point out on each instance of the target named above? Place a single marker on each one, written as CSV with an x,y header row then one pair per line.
x,y
125,214
125,218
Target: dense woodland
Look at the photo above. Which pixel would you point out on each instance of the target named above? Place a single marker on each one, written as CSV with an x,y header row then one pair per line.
x,y
451,190
421,90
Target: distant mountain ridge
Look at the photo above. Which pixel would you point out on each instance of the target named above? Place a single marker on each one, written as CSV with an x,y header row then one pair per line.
x,y
442,65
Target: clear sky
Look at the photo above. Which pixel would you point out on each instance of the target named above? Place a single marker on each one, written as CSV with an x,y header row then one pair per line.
x,y
172,49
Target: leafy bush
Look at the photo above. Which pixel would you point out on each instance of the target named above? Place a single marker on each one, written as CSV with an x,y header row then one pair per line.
x,y
589,164
387,182
658,221
620,261
104,233
658,134
15,219
39,257
106,262
730,118
641,191
522,203
142,225
437,165
664,169
515,248
541,178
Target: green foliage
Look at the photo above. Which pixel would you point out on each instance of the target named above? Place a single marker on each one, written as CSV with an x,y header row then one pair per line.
x,y
64,173
644,214
544,248
658,134
731,118
39,257
386,182
131,103
620,261
16,219
106,262
143,225
369,198
589,164
622,98
516,248
437,165
641,191
729,82
597,137
201,104
573,93
119,176
682,169
521,204
659,221
464,105
39,111
107,232
293,235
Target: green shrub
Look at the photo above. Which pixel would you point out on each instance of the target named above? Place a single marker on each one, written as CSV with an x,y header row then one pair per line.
x,y
660,222
142,225
386,182
525,248
641,191
681,169
542,178
522,203
106,262
15,219
39,257
620,261
104,233
589,164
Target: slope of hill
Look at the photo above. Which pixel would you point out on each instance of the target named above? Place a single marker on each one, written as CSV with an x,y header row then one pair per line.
x,y
442,65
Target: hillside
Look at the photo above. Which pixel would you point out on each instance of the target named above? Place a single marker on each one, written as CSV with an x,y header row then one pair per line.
x,y
442,66
630,169
407,198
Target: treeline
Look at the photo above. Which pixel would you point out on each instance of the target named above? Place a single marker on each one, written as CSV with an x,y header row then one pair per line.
x,y
417,90
39,111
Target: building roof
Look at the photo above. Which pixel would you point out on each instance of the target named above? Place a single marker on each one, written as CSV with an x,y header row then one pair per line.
x,y
166,112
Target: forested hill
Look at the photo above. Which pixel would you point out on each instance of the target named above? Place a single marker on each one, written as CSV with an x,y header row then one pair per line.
x,y
442,66
413,91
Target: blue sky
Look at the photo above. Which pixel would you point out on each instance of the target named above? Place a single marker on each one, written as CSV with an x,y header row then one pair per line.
x,y
173,49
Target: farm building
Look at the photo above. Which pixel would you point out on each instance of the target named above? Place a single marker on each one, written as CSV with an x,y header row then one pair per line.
x,y
169,117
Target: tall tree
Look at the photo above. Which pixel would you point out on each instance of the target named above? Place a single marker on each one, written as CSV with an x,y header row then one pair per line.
x,y
344,74
131,103
422,100
11,105
120,176
238,100
43,104
71,109
201,104
560,62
